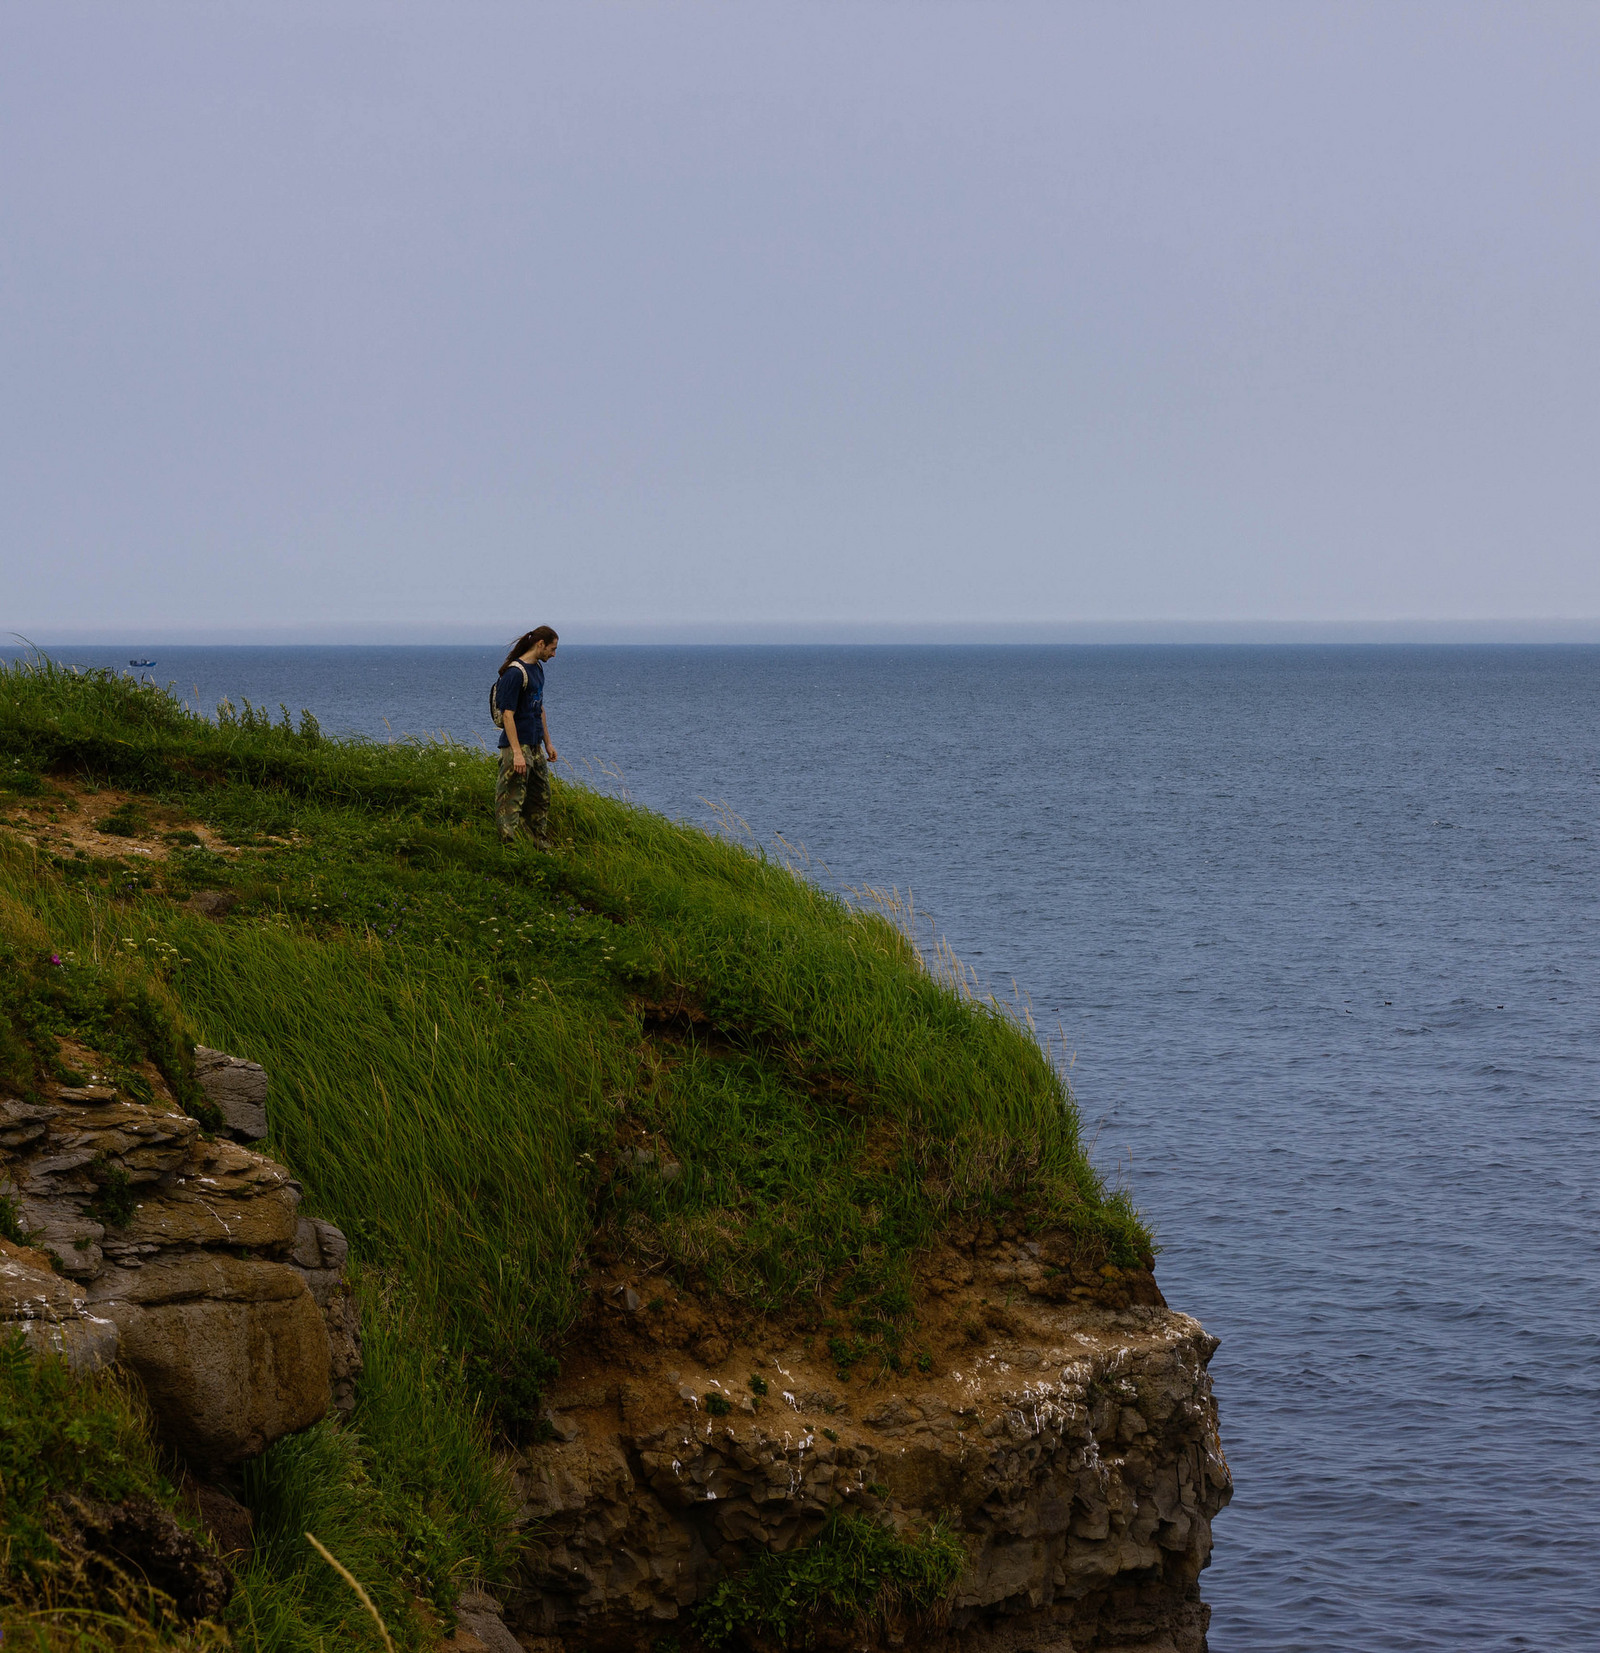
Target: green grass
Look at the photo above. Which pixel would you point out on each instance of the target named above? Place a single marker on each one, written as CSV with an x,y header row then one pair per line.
x,y
484,1061
89,1437
408,1497
461,1037
59,1433
854,1571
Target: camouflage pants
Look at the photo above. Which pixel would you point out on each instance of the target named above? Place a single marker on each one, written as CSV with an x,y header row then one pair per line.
x,y
523,801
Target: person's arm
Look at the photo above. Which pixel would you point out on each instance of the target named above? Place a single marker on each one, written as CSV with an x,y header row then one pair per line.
x,y
508,721
544,724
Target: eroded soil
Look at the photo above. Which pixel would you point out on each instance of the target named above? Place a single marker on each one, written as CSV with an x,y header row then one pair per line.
x,y
66,819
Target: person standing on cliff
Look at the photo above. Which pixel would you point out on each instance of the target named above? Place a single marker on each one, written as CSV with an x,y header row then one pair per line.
x,y
522,790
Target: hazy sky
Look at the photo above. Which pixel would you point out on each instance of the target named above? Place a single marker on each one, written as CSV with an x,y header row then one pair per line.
x,y
630,314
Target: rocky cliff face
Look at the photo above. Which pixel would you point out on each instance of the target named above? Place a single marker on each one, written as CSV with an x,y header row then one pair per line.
x,y
1074,1445
182,1256
1065,1424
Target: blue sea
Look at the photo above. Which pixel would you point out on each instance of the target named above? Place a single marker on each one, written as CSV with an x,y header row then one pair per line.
x,y
1320,929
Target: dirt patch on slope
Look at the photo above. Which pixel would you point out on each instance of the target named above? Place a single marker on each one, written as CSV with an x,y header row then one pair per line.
x,y
69,817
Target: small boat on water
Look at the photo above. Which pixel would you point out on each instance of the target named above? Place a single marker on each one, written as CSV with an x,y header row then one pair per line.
x,y
141,662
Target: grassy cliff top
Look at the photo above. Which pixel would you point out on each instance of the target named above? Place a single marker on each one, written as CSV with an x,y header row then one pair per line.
x,y
494,1068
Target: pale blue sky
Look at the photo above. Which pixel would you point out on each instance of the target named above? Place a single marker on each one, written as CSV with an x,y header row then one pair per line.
x,y
451,317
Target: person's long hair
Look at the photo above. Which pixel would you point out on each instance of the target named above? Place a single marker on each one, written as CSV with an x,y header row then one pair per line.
x,y
539,634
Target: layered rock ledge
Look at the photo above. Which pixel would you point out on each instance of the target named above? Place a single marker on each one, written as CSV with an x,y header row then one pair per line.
x,y
182,1256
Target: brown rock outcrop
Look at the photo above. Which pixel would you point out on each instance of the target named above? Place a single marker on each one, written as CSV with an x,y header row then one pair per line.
x,y
183,1257
49,1312
236,1089
1077,1455
480,1628
233,1353
320,1252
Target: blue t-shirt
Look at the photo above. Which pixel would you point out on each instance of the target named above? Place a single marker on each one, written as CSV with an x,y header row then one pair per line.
x,y
529,702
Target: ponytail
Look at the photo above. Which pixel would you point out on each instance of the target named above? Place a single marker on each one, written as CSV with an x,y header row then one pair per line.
x,y
539,634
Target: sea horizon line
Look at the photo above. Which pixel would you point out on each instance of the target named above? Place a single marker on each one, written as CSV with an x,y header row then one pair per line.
x,y
1483,633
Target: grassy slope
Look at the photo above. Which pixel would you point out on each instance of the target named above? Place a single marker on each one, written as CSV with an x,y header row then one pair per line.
x,y
469,1045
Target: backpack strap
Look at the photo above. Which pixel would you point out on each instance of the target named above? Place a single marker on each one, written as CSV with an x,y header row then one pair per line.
x,y
494,696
